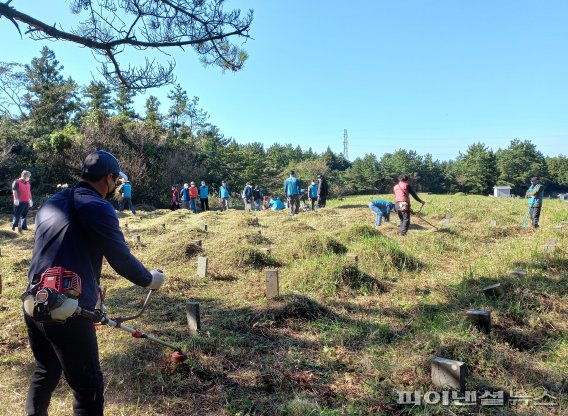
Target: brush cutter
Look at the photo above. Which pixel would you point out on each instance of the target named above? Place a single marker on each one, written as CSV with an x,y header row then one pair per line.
x,y
99,317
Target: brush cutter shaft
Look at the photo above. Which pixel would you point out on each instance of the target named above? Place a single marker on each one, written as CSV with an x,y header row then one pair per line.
x,y
138,334
98,317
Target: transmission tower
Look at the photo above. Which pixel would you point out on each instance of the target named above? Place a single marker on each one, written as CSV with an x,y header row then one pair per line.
x,y
345,145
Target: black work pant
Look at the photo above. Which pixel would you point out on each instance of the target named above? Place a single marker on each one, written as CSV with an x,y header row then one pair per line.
x,y
321,201
404,217
535,215
314,200
70,348
204,204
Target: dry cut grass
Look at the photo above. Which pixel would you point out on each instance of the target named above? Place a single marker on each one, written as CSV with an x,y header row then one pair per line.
x,y
344,336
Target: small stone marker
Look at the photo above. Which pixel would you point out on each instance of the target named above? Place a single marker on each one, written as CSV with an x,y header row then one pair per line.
x,y
495,290
448,218
265,251
205,227
353,257
519,273
197,242
202,266
193,318
493,223
557,228
138,239
448,373
481,318
564,223
272,288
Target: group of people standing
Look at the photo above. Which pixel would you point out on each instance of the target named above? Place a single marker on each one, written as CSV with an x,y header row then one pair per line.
x,y
253,196
187,197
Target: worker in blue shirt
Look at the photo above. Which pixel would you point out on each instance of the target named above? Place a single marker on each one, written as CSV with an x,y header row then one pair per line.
x,y
75,229
224,194
275,204
313,194
125,191
535,193
292,192
382,209
204,196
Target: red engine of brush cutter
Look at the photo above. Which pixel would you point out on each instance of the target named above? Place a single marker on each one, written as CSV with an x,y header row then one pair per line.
x,y
61,280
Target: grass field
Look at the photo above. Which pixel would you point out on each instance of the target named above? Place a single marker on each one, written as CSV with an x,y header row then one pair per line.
x,y
344,337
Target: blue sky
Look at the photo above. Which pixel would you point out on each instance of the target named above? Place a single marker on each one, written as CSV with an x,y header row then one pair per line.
x,y
430,76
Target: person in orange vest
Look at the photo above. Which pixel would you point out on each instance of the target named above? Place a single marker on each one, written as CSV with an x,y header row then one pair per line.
x,y
22,194
193,197
402,190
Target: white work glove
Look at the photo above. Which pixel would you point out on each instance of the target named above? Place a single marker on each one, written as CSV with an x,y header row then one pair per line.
x,y
16,202
158,278
67,308
31,203
29,304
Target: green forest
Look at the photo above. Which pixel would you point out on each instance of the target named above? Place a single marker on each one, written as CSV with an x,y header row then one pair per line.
x,y
48,124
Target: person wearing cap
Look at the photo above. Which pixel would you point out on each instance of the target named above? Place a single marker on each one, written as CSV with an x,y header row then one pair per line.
x,y
247,196
323,191
535,193
224,196
125,191
184,194
204,196
22,197
402,190
382,209
193,197
292,192
75,229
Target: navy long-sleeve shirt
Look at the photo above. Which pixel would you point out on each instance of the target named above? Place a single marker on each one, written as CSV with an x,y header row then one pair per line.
x,y
77,239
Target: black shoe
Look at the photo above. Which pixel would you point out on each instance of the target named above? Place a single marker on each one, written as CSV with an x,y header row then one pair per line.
x,y
13,228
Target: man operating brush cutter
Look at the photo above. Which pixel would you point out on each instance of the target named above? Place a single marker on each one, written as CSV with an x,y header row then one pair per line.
x,y
75,228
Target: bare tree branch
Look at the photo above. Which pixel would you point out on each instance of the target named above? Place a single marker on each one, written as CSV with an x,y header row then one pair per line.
x,y
111,26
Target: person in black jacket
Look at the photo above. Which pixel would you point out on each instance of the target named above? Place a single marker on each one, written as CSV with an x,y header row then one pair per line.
x,y
75,229
323,191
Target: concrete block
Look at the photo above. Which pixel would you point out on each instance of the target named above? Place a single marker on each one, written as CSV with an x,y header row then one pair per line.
x,y
202,266
448,373
558,228
197,242
493,223
272,284
448,218
495,290
193,317
138,239
518,273
481,318
205,227
265,251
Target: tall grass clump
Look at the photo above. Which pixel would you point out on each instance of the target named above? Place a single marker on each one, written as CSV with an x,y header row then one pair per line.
x,y
315,245
252,257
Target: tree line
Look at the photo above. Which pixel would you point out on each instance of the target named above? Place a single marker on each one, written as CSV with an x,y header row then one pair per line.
x,y
48,124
